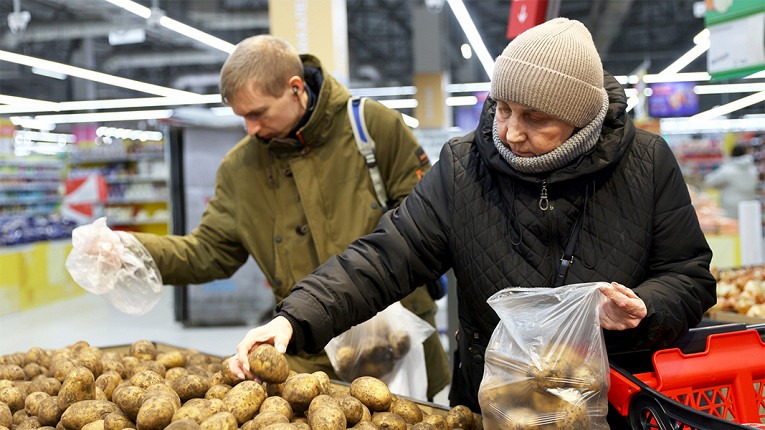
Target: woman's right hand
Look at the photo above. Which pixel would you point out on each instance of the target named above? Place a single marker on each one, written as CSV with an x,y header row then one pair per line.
x,y
278,332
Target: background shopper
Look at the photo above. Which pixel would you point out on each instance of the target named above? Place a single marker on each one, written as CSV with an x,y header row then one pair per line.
x,y
737,179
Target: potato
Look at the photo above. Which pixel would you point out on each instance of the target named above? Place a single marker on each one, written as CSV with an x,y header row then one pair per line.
x,y
366,425
287,426
244,400
372,392
28,423
299,390
197,411
117,421
460,416
61,368
389,421
95,425
264,419
228,377
277,404
46,384
325,385
400,342
32,402
130,363
37,355
12,397
107,382
86,411
90,357
129,398
217,391
183,425
143,350
12,372
437,421
78,385
352,408
407,409
48,411
327,418
6,416
166,391
275,389
171,359
152,365
423,426
268,364
190,386
32,370
220,421
146,378
156,412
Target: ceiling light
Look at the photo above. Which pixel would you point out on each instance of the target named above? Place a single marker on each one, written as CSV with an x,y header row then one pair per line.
x,y
473,87
106,116
718,125
462,101
92,75
729,88
410,120
25,102
677,77
49,73
730,107
108,104
467,52
471,32
39,136
176,26
399,103
384,91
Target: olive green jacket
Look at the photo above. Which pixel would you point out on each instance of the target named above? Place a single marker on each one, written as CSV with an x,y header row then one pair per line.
x,y
293,203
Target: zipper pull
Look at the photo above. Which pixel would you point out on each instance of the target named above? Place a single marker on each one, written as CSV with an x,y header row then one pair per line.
x,y
544,202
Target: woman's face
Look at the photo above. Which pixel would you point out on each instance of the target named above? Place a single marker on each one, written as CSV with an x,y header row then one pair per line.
x,y
528,132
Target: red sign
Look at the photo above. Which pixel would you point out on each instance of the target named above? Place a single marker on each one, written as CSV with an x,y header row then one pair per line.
x,y
525,14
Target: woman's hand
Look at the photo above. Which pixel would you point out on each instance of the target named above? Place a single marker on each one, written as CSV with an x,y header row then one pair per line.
x,y
622,310
278,332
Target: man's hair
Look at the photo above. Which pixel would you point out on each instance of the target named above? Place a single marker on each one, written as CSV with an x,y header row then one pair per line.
x,y
267,60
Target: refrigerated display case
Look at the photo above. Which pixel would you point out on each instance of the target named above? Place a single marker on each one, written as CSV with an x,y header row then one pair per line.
x,y
245,298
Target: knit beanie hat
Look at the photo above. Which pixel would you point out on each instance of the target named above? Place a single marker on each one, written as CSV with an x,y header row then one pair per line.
x,y
554,68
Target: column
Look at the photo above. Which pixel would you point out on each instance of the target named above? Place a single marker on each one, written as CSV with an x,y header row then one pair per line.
x,y
430,72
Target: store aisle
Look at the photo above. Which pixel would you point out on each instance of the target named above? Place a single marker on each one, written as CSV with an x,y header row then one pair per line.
x,y
89,318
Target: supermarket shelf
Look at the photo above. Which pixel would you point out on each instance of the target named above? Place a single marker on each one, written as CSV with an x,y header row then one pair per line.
x,y
30,186
135,222
124,201
128,158
30,200
134,179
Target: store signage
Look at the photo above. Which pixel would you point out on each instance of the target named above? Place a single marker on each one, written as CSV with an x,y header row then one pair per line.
x,y
525,14
737,38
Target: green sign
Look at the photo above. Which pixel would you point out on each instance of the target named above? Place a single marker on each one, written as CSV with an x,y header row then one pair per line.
x,y
737,38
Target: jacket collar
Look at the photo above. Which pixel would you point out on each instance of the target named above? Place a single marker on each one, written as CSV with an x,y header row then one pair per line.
x,y
615,137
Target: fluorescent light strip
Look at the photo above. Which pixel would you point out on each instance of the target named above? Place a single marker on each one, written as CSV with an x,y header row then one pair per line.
x,y
462,101
399,103
176,26
471,32
730,107
719,125
469,87
410,120
384,91
110,104
25,102
729,88
92,75
49,73
106,116
37,136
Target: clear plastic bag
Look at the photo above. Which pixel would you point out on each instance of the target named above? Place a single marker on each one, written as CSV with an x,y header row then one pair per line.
x,y
546,363
115,266
389,347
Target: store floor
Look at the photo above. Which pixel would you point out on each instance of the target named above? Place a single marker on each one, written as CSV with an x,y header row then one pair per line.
x,y
91,319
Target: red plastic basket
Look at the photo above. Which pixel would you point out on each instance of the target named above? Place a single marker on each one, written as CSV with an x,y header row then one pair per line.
x,y
720,388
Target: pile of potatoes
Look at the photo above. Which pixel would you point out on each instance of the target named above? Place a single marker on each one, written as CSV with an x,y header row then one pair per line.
x,y
85,388
552,393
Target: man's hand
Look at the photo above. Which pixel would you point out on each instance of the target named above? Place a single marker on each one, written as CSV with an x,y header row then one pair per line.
x,y
623,309
278,332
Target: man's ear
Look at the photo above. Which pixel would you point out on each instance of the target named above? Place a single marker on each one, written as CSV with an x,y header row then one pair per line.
x,y
296,85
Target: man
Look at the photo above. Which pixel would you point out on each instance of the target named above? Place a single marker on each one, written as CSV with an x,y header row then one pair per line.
x,y
296,190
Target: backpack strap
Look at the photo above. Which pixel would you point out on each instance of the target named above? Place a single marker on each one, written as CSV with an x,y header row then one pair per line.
x,y
366,146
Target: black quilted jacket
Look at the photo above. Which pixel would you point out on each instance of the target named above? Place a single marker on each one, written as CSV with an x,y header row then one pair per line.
x,y
475,214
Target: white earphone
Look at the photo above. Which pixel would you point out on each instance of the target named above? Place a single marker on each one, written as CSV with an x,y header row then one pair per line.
x,y
294,90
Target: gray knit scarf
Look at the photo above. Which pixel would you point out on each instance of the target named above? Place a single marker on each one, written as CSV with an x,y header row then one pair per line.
x,y
576,145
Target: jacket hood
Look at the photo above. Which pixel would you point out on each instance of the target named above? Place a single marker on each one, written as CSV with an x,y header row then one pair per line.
x,y
331,100
616,134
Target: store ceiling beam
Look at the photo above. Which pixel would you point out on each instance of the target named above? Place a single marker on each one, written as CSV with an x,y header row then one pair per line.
x,y
606,21
163,59
51,32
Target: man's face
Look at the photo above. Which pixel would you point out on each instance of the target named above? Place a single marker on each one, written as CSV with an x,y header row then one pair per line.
x,y
528,132
265,116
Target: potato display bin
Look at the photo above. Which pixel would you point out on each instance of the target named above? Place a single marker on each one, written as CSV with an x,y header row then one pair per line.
x,y
715,381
